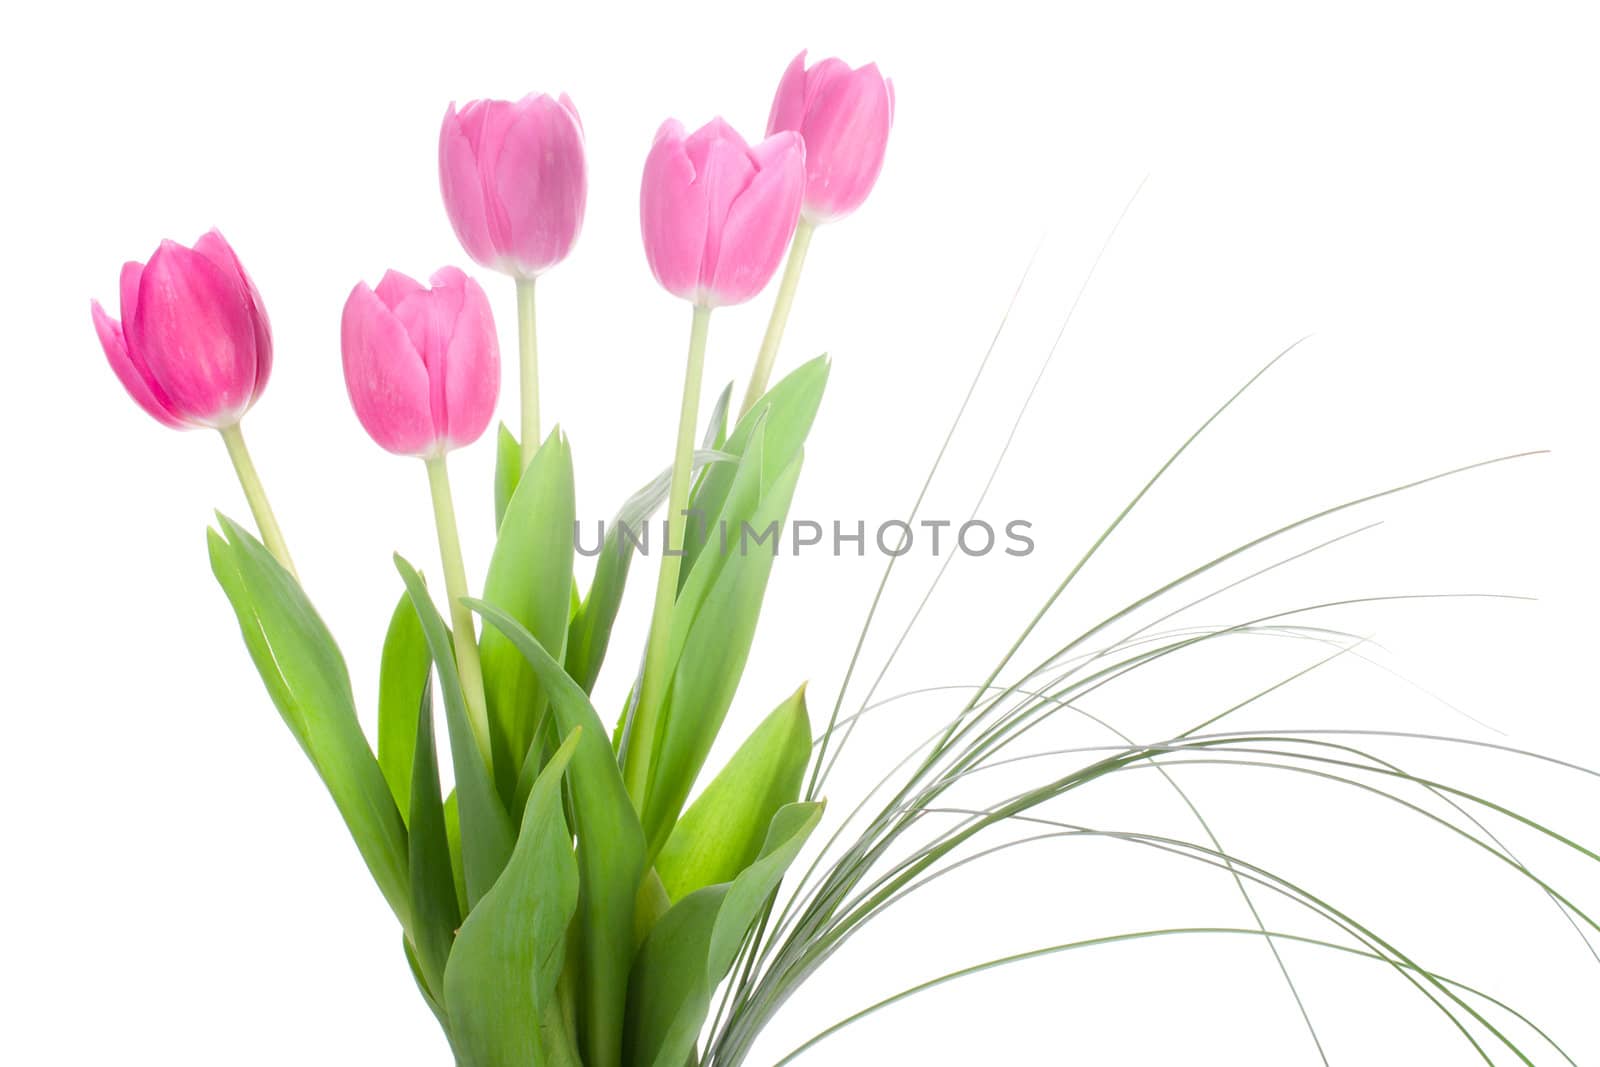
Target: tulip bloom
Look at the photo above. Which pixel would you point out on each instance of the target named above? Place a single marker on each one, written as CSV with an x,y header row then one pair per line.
x,y
194,347
844,116
717,213
422,365
514,181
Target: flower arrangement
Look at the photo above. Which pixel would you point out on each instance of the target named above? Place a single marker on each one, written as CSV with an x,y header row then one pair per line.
x,y
567,902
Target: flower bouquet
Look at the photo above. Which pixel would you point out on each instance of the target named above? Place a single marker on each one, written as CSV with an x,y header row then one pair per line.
x,y
574,885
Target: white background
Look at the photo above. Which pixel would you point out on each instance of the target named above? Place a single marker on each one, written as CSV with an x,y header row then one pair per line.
x,y
1415,186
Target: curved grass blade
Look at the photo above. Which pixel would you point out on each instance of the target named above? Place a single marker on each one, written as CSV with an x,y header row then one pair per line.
x,y
1113,939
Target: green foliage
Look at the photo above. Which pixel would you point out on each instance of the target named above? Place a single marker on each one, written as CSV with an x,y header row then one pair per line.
x,y
722,832
402,681
530,577
694,945
487,833
306,677
611,859
501,979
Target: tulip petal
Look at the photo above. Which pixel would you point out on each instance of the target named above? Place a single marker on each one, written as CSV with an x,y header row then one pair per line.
x,y
672,213
846,131
215,247
540,184
193,330
572,109
132,379
469,377
789,105
385,376
760,222
724,167
462,190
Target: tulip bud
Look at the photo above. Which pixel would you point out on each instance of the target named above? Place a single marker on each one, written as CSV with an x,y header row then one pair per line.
x,y
844,116
194,347
717,213
422,365
514,181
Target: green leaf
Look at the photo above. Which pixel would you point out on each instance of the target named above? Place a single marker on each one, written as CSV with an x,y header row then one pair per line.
x,y
435,908
486,830
402,680
502,975
590,630
721,833
452,833
787,411
706,672
717,424
611,859
530,577
307,680
693,946
507,472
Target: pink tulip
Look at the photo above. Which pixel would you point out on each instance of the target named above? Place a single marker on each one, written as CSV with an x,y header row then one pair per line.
x,y
717,213
844,116
514,181
422,365
194,347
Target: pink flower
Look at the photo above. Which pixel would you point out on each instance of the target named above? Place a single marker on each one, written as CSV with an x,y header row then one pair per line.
x,y
514,181
422,365
194,347
717,213
844,116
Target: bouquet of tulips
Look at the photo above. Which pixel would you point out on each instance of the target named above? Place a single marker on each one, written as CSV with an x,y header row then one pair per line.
x,y
564,902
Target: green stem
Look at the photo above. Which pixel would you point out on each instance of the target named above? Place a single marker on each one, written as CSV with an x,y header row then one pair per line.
x,y
250,481
636,772
780,316
455,586
528,347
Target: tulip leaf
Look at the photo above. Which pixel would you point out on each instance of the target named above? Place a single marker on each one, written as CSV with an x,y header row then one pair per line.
x,y
717,424
590,631
487,833
507,471
692,948
307,679
452,833
402,680
435,908
501,978
787,412
718,630
530,577
611,860
721,833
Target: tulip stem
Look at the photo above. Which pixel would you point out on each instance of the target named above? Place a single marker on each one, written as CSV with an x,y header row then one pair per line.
x,y
250,481
455,586
528,344
642,734
780,316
